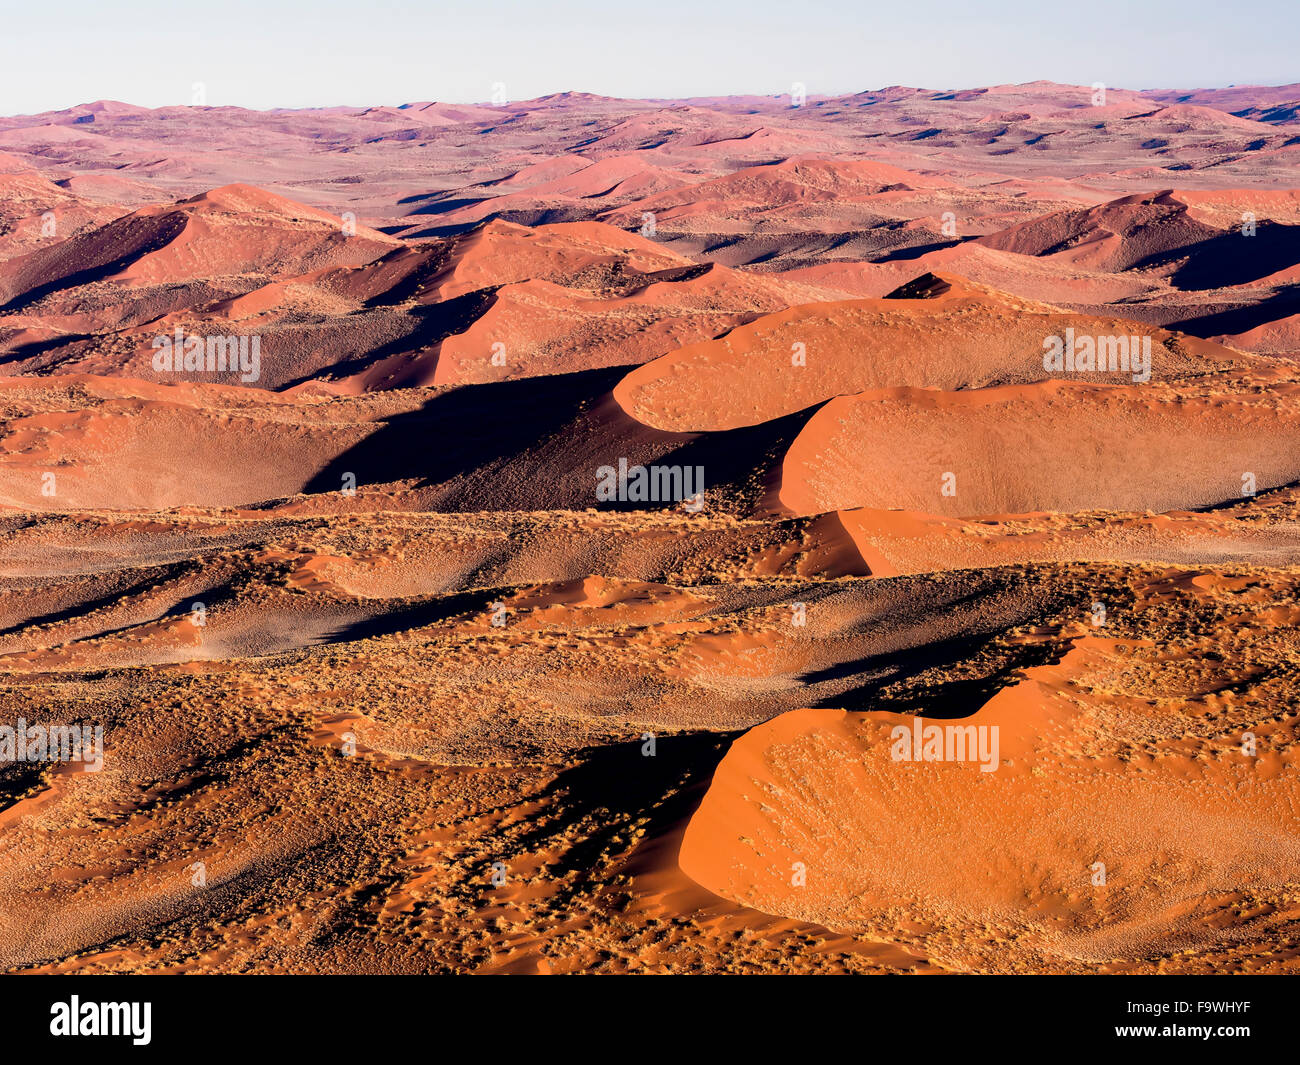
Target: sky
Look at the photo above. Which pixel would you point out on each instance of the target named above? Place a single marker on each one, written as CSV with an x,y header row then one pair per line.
x,y
295,53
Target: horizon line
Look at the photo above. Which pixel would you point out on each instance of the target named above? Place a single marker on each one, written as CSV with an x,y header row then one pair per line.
x,y
810,98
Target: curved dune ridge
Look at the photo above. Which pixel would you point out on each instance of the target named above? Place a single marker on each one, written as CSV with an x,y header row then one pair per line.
x,y
836,817
956,335
107,443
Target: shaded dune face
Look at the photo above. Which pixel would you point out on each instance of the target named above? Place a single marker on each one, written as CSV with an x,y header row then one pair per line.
x,y
820,815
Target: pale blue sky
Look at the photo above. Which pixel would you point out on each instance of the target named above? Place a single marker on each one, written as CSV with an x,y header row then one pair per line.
x,y
302,53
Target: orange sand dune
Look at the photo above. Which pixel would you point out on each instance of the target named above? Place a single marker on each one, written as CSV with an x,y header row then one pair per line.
x,y
834,817
501,253
962,337
1041,447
